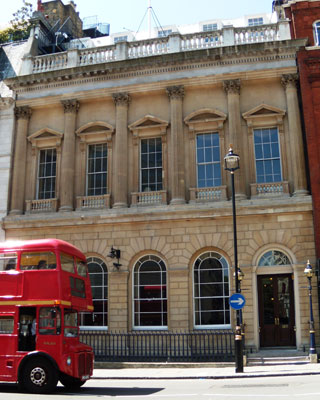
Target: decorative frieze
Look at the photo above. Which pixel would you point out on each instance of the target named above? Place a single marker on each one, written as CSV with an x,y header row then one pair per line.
x,y
175,92
232,86
22,112
121,99
70,106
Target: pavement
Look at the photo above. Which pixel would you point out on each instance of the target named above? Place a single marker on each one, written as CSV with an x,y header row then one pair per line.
x,y
201,371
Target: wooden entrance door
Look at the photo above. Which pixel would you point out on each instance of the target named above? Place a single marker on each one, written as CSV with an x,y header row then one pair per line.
x,y
276,310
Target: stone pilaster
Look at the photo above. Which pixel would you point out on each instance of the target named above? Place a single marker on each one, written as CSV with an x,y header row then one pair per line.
x,y
232,89
289,82
71,108
120,175
22,115
176,155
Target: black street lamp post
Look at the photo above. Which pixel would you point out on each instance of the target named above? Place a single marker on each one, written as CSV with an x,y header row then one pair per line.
x,y
312,350
240,277
231,161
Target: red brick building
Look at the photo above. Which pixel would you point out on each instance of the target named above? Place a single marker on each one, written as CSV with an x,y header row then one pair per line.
x,y
305,23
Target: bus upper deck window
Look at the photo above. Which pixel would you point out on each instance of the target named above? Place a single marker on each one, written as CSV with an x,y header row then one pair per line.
x,y
82,268
38,260
8,261
67,263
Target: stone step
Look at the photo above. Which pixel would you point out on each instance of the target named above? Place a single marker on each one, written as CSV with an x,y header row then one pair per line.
x,y
277,360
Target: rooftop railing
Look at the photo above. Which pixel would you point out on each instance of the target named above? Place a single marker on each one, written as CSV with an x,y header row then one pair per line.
x,y
174,43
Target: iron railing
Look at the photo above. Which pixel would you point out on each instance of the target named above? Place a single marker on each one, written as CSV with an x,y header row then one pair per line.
x,y
157,346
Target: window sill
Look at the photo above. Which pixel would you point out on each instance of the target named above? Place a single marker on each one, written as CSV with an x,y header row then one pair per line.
x,y
150,328
212,327
93,328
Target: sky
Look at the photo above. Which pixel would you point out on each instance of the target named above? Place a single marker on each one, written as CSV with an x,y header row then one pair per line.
x,y
125,15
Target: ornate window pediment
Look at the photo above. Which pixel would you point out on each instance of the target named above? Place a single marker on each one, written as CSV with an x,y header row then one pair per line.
x,y
94,132
149,126
264,115
205,119
45,138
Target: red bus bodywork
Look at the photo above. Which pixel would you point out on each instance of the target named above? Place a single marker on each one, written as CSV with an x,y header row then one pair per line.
x,y
40,298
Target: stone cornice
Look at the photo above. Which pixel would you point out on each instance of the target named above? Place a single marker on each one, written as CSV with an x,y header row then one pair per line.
x,y
164,64
245,209
97,93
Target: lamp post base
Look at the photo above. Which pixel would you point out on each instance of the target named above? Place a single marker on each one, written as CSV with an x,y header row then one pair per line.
x,y
313,358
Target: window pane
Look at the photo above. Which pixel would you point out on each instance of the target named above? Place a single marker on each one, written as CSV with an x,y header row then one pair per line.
x,y
46,174
97,165
6,324
38,260
151,164
150,292
67,263
98,274
208,160
200,155
267,155
211,290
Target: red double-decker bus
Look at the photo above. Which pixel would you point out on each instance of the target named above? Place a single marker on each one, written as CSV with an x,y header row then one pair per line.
x,y
44,284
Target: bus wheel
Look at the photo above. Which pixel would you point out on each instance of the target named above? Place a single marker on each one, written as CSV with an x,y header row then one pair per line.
x,y
71,383
39,376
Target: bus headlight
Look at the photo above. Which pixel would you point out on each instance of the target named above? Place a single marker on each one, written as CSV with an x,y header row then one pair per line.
x,y
69,361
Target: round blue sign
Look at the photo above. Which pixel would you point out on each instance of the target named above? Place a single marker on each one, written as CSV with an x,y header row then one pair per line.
x,y
237,301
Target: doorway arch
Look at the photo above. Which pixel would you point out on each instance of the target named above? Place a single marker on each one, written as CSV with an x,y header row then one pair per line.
x,y
276,303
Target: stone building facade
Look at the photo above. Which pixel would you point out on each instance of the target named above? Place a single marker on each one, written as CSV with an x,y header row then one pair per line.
x,y
10,63
305,23
122,148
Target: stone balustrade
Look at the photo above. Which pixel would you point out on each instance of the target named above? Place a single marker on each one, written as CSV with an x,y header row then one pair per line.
x,y
256,34
175,42
209,194
160,197
91,202
37,206
149,198
269,189
145,48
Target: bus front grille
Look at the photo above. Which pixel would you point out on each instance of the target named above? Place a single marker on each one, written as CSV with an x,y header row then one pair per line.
x,y
85,365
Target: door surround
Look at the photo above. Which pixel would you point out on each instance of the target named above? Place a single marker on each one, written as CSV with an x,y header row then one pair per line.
x,y
276,270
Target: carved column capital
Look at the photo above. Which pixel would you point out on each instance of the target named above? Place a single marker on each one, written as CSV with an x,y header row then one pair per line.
x,y
175,92
23,112
121,99
6,102
232,86
289,80
70,106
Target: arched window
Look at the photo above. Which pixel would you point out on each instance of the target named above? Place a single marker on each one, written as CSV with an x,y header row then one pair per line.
x,y
316,27
150,293
273,257
211,291
98,273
